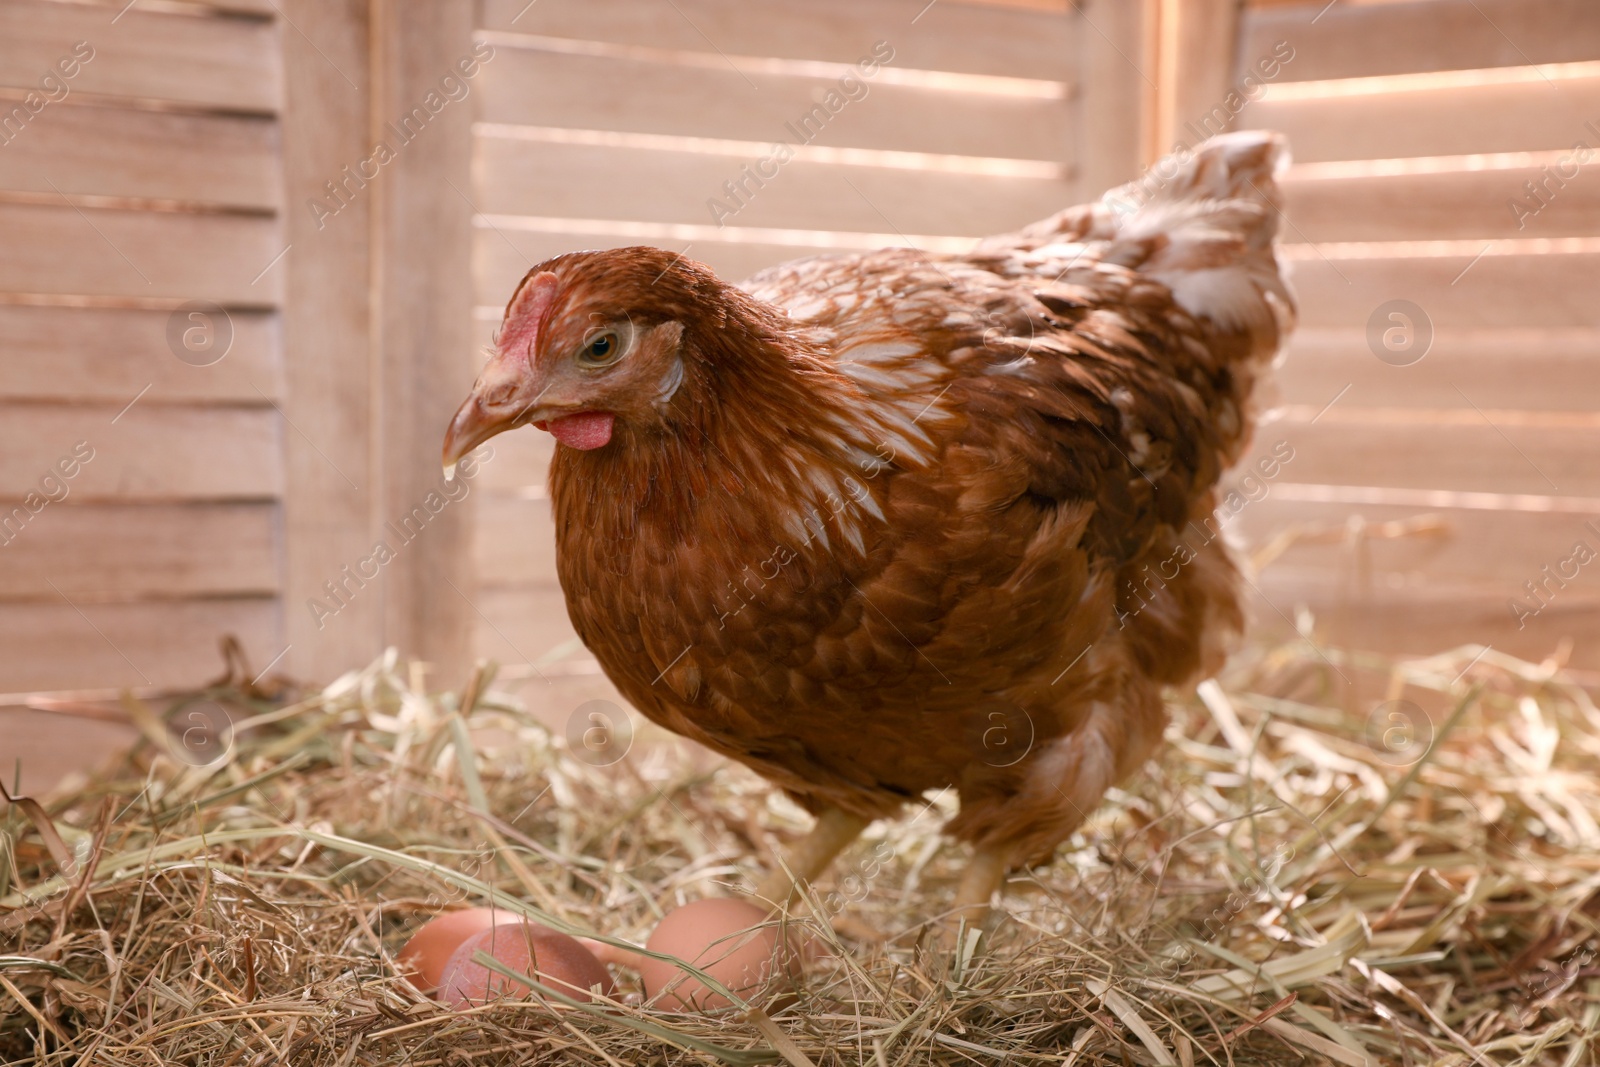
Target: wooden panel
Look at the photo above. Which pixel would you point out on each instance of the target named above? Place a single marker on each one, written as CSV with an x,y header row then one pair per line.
x,y
150,452
173,643
1117,101
947,36
140,254
328,521
47,747
1528,369
521,461
1466,203
582,181
426,304
1487,553
1351,40
501,257
1497,291
515,543
105,151
110,354
582,92
520,624
110,551
217,62
1399,623
1459,452
1452,119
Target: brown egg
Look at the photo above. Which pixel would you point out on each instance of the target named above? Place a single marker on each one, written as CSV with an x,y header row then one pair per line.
x,y
726,939
424,956
555,959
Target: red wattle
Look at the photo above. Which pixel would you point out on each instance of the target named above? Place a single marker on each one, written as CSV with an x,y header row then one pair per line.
x,y
585,430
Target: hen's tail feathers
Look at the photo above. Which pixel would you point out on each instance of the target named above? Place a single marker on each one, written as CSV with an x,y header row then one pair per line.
x,y
1203,222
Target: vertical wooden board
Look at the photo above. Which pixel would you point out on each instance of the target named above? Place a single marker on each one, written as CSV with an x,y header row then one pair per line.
x,y
140,254
425,234
207,61
154,643
114,354
159,550
123,152
1201,70
940,37
151,452
330,515
1364,40
518,625
1114,107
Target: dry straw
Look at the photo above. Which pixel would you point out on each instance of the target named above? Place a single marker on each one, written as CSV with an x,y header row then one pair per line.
x,y
1297,879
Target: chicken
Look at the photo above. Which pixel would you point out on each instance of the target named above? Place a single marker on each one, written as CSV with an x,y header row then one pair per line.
x,y
885,523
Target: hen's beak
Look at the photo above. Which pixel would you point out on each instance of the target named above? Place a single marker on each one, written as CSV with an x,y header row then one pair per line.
x,y
502,400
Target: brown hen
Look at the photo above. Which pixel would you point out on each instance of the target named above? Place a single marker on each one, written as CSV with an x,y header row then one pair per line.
x,y
894,522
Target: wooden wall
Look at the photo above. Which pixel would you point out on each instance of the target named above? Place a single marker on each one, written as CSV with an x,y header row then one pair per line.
x,y
1415,126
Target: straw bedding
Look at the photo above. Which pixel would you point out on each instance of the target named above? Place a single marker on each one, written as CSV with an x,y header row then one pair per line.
x,y
1302,877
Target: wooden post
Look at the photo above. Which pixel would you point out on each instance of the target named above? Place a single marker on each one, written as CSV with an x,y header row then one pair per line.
x,y
1118,92
377,318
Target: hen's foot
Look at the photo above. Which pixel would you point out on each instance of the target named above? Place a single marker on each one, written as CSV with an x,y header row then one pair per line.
x,y
810,856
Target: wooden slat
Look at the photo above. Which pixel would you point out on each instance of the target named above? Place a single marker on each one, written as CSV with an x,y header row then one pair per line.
x,y
150,452
47,747
527,87
581,181
951,37
140,254
1497,291
327,323
502,257
518,624
1117,101
111,354
105,151
208,62
1349,40
1528,369
1456,119
110,551
1395,623
515,542
521,462
1466,203
172,643
1486,553
1461,453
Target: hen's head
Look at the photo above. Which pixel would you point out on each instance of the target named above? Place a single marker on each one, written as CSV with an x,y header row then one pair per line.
x,y
594,342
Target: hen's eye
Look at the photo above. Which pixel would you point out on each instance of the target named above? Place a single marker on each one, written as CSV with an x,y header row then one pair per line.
x,y
601,349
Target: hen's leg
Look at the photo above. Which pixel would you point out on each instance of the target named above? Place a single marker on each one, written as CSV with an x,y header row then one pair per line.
x,y
985,874
811,855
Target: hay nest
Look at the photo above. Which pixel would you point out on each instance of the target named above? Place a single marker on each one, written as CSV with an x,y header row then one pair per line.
x,y
1299,878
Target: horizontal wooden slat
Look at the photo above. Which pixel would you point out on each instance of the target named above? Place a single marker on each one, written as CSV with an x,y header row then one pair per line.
x,y
112,551
171,643
105,151
582,181
46,747
150,452
1456,293
1465,203
1405,622
1527,369
501,257
534,88
1486,553
514,543
953,37
140,254
1455,119
1349,40
209,62
1459,454
111,354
